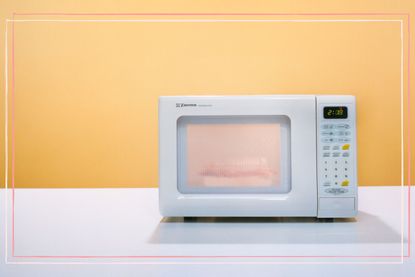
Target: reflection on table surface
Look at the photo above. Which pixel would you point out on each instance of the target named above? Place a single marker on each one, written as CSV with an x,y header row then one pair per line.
x,y
366,228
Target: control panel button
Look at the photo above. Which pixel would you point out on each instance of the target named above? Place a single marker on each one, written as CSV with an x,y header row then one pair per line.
x,y
336,190
326,154
336,147
326,147
328,139
327,133
336,154
346,154
342,126
345,183
327,126
346,146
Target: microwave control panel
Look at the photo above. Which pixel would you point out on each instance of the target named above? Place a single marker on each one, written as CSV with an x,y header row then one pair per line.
x,y
336,156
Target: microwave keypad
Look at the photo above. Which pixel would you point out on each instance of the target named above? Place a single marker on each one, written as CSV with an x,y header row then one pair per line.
x,y
335,149
336,157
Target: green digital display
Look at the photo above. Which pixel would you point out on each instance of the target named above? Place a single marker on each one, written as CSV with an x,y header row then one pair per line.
x,y
338,112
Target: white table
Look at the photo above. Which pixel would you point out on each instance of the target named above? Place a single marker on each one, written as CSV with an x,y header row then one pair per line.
x,y
106,232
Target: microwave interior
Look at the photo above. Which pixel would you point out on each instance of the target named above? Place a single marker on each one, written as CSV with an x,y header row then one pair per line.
x,y
234,154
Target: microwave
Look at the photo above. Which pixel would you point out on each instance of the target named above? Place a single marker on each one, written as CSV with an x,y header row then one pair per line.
x,y
258,156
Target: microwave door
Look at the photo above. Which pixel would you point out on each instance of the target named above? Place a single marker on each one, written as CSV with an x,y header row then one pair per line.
x,y
238,156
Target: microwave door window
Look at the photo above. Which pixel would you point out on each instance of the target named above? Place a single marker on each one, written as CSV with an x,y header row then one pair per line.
x,y
233,154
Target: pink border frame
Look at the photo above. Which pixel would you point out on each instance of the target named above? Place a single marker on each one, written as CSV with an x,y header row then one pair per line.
x,y
12,99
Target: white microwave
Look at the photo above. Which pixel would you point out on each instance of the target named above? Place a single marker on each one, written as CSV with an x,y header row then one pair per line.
x,y
273,155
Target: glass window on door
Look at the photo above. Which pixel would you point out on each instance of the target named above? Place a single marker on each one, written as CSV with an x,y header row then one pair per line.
x,y
234,154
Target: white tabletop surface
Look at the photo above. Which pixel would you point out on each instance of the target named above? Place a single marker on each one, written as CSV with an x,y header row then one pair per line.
x,y
119,232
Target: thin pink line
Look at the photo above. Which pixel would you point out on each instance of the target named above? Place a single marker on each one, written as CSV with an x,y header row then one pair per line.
x,y
215,256
13,135
195,14
409,134
204,14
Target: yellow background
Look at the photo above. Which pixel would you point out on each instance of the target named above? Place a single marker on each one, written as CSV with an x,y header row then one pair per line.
x,y
86,93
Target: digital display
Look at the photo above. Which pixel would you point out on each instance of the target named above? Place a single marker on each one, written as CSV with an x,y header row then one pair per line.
x,y
335,112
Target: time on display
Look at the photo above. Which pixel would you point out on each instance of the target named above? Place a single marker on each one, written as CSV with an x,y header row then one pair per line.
x,y
338,112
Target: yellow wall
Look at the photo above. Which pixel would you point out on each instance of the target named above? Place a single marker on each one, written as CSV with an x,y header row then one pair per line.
x,y
86,93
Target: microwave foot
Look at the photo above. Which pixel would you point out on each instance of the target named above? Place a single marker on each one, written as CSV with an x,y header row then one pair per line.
x,y
189,219
326,219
